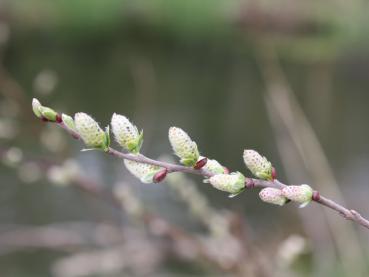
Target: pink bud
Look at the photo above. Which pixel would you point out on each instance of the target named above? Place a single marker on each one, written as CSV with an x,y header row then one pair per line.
x,y
200,163
274,173
58,118
226,170
160,176
302,194
316,195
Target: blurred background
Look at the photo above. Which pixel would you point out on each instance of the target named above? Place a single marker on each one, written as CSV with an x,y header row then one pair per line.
x,y
286,78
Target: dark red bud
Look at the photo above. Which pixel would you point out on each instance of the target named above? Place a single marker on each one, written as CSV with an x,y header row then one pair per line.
x,y
58,118
316,195
226,170
201,163
249,183
158,177
274,173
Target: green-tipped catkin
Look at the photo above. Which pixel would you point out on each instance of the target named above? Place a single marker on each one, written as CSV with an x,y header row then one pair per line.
x,y
91,133
302,194
213,166
258,165
183,146
272,196
233,183
126,134
144,172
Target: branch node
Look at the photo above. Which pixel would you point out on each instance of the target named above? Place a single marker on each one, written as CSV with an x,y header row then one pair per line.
x,y
316,195
249,183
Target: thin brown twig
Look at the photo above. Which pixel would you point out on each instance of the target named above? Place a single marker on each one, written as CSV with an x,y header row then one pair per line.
x,y
346,213
250,183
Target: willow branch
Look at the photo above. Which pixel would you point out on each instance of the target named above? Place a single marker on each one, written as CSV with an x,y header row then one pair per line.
x,y
346,213
250,183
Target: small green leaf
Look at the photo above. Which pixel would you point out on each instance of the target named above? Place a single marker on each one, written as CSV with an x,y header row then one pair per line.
x,y
48,113
69,122
235,194
303,205
264,175
188,161
36,105
88,149
147,179
107,139
139,141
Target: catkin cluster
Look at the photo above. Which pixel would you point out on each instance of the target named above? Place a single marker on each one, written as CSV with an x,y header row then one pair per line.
x,y
128,136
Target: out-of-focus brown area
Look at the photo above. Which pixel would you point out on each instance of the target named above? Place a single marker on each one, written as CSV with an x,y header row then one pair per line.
x,y
285,78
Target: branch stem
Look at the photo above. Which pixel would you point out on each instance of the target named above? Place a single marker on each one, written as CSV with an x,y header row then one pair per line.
x,y
344,212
